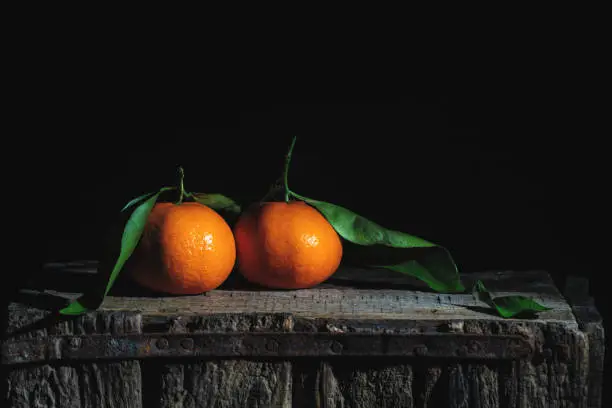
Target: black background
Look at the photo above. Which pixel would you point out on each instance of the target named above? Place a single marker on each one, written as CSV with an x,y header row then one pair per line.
x,y
503,183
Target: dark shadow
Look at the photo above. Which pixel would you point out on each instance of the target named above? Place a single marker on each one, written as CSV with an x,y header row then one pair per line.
x,y
479,309
306,380
377,285
380,254
44,323
427,390
61,280
39,300
126,287
238,282
152,382
528,315
346,277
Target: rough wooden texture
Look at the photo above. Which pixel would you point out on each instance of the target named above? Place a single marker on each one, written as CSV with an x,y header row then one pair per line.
x,y
590,322
352,383
567,343
342,301
88,385
217,383
405,383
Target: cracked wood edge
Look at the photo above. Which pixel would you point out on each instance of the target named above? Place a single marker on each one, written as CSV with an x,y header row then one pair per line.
x,y
591,323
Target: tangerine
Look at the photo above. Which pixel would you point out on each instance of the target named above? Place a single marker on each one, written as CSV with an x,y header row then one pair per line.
x,y
286,245
185,249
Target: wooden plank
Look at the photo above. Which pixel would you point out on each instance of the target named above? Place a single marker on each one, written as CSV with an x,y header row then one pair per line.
x,y
215,382
406,383
474,385
347,303
220,383
265,344
401,383
46,386
348,300
355,303
484,385
115,384
366,383
110,385
558,373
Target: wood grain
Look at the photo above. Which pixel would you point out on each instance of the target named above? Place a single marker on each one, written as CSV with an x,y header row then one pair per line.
x,y
591,323
352,302
88,385
220,383
229,383
565,370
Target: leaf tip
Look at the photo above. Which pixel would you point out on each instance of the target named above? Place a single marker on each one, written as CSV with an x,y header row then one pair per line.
x,y
74,309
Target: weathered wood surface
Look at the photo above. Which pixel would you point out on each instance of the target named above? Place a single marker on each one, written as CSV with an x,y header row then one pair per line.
x,y
88,385
343,300
564,340
590,322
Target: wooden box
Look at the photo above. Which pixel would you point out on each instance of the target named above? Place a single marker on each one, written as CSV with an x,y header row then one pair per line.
x,y
346,343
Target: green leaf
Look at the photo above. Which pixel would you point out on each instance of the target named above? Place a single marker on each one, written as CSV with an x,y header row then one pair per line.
x,y
131,235
438,274
507,306
137,200
226,207
217,202
75,308
144,197
436,267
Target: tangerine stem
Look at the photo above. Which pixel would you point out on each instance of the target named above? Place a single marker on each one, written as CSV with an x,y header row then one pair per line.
x,y
286,173
181,184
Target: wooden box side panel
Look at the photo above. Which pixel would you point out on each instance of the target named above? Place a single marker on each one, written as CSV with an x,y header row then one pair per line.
x,y
557,375
78,385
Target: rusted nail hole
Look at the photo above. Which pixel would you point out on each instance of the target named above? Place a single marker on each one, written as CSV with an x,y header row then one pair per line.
x,y
474,346
336,347
187,344
162,343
